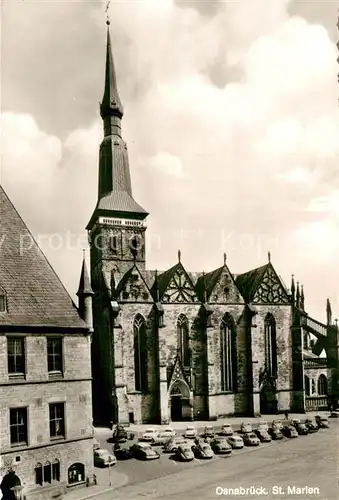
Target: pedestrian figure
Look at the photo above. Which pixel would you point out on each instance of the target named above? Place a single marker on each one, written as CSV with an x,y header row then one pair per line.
x,y
95,480
286,415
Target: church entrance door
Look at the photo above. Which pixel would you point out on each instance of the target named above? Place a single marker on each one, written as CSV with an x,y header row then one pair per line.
x,y
176,408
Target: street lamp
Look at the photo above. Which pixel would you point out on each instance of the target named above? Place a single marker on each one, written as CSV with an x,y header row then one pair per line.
x,y
109,470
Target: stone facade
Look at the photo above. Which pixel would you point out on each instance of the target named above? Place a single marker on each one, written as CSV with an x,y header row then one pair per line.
x,y
35,392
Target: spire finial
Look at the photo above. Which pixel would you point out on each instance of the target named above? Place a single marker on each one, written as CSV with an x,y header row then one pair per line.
x,y
106,10
225,258
84,253
269,256
179,255
204,286
156,283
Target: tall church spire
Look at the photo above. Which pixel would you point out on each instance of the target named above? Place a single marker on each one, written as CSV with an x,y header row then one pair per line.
x,y
111,109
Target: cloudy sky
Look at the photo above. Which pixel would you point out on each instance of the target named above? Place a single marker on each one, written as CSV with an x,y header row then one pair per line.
x,y
231,119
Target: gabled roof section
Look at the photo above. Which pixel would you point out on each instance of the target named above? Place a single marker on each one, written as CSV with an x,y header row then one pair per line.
x,y
263,286
177,373
176,286
35,295
219,287
133,287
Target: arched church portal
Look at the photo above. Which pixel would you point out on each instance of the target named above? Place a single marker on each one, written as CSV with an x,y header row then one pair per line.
x,y
179,396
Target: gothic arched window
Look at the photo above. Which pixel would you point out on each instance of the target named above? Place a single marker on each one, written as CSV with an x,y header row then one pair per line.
x,y
38,474
270,345
183,339
307,386
140,353
228,356
3,301
322,385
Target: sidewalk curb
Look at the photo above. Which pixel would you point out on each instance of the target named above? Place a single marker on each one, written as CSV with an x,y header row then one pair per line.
x,y
92,495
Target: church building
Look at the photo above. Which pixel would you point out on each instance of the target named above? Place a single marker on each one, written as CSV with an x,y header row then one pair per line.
x,y
180,345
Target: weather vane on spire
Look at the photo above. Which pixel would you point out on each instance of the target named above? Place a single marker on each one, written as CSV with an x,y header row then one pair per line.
x,y
106,11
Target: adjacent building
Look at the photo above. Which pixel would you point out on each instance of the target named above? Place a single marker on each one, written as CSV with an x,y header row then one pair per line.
x,y
180,345
45,370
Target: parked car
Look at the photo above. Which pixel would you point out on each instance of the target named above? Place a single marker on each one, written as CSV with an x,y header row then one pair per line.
x,y
208,432
102,458
334,414
300,427
164,436
277,424
275,433
290,431
220,446
144,451
226,430
184,453
236,441
150,435
203,450
120,434
173,443
96,444
250,439
263,436
123,454
322,422
262,425
311,425
191,432
245,427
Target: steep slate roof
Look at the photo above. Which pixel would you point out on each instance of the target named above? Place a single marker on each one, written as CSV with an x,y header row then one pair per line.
x,y
209,282
248,283
165,278
35,295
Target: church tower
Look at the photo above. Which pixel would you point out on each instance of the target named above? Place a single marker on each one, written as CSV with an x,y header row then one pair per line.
x,y
117,226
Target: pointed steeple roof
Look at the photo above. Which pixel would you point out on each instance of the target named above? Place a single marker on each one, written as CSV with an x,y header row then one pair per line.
x,y
111,103
35,295
84,283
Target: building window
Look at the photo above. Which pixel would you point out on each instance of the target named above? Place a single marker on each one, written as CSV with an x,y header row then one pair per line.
x,y
307,386
140,353
16,356
38,474
322,385
183,340
76,473
228,357
57,420
313,387
54,355
270,345
47,473
18,426
114,244
56,470
3,302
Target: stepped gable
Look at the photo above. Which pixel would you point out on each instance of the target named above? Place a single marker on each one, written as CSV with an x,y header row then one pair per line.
x,y
35,296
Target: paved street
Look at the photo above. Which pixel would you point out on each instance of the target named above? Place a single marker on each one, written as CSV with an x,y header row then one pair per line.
x,y
308,461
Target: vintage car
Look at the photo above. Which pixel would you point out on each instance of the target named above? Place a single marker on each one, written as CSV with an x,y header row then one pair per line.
x,y
245,427
164,436
96,444
334,414
236,442
190,432
144,451
123,454
262,425
203,450
300,427
250,439
275,433
208,432
277,424
120,434
184,453
103,458
220,446
322,422
290,431
311,425
150,435
226,430
263,436
172,444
